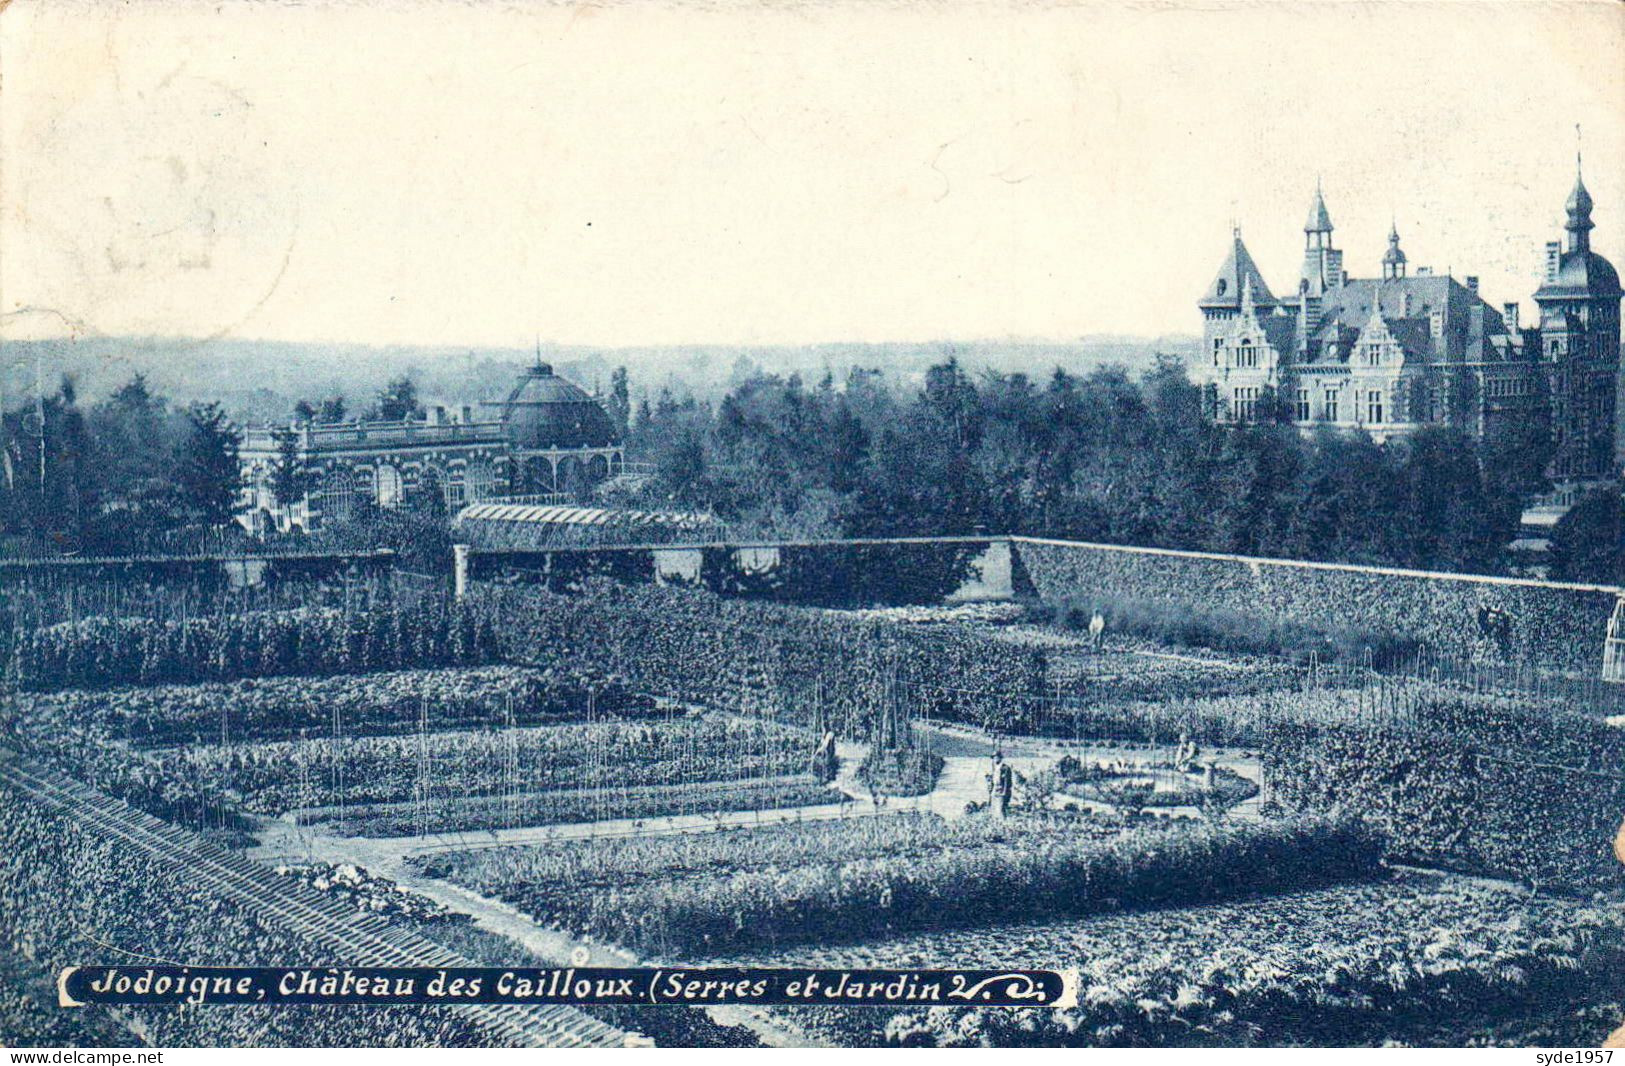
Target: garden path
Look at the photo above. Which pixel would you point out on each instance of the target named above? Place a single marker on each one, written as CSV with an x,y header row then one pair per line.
x,y
387,857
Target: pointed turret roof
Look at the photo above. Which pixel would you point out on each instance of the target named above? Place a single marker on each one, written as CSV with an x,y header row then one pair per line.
x,y
1238,272
1579,202
1394,254
1320,220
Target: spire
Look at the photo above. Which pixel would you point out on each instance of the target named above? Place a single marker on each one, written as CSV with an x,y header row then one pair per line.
x,y
1393,260
1578,207
1320,220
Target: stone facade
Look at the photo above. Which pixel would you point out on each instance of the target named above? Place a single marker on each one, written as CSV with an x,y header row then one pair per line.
x,y
1408,349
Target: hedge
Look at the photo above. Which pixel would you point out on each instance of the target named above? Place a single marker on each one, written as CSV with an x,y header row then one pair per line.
x,y
820,669
1477,786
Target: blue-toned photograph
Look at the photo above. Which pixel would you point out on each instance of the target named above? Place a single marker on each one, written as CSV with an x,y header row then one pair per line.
x,y
812,525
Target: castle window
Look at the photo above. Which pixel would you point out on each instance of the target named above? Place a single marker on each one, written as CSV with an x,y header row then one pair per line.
x,y
1300,410
1373,406
1247,355
1223,285
1373,354
1245,407
1328,409
1218,350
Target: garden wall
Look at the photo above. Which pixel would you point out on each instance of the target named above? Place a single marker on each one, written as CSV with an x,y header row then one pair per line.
x,y
852,573
1551,625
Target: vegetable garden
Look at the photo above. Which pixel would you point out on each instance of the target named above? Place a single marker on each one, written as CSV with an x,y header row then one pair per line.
x,y
834,882
1413,959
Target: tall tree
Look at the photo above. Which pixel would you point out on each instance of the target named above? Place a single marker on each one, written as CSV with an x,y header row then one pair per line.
x,y
397,401
1588,543
332,411
290,474
208,470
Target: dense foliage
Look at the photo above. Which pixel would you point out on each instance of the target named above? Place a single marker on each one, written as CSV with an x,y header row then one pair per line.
x,y
1588,543
99,652
1485,784
829,671
116,478
279,708
632,803
1418,961
1097,458
711,906
69,892
1510,622
446,768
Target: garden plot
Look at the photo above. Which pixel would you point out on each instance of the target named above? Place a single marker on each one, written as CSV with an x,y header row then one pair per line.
x,y
282,776
281,708
686,897
1417,959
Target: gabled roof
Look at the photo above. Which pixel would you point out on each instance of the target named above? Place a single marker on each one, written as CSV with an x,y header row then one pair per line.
x,y
1238,270
1352,303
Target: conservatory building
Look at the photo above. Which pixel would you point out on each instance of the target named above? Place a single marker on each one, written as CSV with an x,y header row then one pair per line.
x,y
547,438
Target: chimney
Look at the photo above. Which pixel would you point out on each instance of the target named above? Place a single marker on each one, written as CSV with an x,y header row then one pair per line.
x,y
1509,312
1554,259
1472,284
437,415
468,413
1424,272
1405,304
1334,267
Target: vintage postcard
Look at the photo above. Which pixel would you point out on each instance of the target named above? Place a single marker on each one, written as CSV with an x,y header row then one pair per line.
x,y
808,525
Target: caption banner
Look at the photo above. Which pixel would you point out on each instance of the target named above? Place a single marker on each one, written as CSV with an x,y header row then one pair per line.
x,y
579,986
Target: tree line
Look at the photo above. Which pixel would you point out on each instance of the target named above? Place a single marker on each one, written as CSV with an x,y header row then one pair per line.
x,y
1104,457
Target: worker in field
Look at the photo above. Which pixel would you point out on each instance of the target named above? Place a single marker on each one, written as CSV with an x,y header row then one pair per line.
x,y
1097,631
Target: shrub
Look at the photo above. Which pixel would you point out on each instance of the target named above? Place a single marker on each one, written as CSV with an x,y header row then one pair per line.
x,y
1479,785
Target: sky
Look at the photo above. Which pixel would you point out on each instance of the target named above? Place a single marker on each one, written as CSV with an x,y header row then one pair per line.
x,y
729,173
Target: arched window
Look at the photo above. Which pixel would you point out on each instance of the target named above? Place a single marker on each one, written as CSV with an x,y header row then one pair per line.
x,y
337,495
481,480
1222,287
387,482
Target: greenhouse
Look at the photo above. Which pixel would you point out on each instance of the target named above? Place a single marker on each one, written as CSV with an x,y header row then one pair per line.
x,y
526,526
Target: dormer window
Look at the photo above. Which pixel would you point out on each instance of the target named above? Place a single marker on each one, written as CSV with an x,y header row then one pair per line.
x,y
1373,354
1223,287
